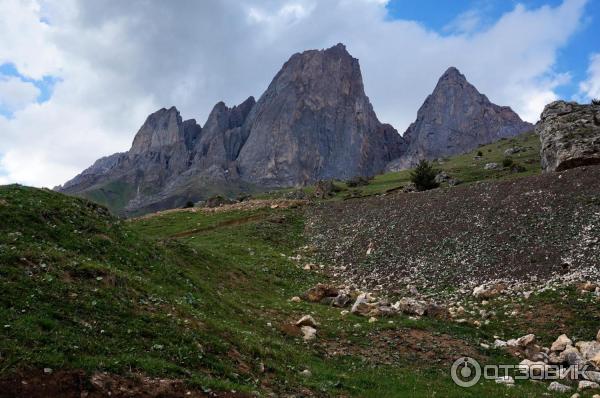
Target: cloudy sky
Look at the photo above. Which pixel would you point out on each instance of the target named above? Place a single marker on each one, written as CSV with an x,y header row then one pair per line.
x,y
78,78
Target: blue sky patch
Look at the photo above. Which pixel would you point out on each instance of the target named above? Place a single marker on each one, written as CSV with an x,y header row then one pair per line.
x,y
44,85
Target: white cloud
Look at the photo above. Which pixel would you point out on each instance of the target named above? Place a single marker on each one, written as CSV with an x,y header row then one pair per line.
x,y
590,88
15,93
118,61
467,22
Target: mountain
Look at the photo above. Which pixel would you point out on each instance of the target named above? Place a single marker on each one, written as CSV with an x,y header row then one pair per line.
x,y
454,119
167,164
313,122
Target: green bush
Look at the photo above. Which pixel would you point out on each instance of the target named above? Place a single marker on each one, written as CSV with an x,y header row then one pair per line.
x,y
479,153
423,176
507,162
596,101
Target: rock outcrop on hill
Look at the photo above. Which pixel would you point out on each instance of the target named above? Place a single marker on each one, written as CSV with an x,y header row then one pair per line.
x,y
454,119
570,135
314,122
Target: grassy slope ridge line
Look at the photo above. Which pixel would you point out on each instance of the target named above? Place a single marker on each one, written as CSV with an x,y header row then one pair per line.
x,y
83,290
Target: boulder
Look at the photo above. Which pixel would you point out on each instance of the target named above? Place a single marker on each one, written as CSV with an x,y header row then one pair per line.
x,y
558,387
526,340
341,300
587,385
570,135
570,356
411,306
561,343
492,166
592,376
317,293
441,177
588,349
363,307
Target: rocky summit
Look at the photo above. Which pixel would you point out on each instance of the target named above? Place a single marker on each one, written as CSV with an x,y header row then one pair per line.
x,y
314,122
570,135
454,119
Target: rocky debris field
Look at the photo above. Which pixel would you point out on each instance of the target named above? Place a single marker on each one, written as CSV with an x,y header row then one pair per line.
x,y
580,361
526,234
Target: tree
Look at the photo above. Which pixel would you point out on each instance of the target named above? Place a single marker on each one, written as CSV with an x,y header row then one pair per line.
x,y
596,101
423,176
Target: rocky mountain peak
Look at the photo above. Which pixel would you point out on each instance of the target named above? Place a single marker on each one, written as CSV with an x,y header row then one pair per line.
x,y
161,129
456,118
315,122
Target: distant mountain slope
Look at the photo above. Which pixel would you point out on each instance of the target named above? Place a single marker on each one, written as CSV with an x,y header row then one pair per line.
x,y
454,119
313,122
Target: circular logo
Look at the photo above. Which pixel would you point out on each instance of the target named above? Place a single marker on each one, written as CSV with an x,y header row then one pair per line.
x,y
465,372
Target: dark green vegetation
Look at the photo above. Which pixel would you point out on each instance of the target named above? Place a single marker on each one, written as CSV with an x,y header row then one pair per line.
x,y
83,290
596,102
423,176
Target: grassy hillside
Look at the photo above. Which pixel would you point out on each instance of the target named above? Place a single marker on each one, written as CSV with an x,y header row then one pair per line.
x,y
203,298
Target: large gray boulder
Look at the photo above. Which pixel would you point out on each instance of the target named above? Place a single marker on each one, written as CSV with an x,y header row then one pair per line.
x,y
454,119
570,135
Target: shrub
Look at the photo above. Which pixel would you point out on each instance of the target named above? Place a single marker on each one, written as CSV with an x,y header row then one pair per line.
x,y
507,162
479,153
596,101
423,176
189,204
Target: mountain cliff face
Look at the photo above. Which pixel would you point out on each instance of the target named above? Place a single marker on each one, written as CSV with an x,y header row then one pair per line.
x,y
313,122
454,119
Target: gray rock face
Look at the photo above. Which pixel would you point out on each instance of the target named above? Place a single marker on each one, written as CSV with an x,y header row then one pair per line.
x,y
570,135
454,119
315,122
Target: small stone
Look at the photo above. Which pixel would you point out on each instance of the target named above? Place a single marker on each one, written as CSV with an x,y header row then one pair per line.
x,y
306,373
558,387
372,319
48,371
309,333
344,312
295,299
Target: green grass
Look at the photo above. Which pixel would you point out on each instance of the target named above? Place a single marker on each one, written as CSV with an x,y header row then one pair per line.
x,y
84,290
